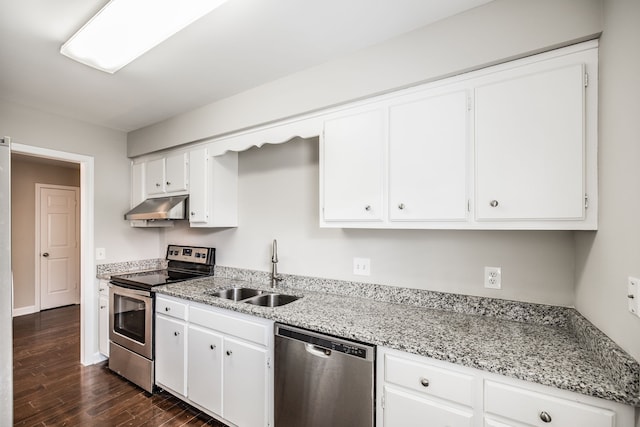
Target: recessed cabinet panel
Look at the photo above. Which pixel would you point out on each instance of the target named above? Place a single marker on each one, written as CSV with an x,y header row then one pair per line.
x,y
204,368
245,383
530,142
408,410
170,353
353,168
176,173
154,177
428,158
199,180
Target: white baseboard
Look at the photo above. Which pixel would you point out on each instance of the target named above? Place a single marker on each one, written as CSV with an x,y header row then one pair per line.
x,y
21,311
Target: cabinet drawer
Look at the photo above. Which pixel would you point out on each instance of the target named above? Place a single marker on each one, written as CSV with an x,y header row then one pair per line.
x,y
402,409
430,380
542,410
230,324
171,308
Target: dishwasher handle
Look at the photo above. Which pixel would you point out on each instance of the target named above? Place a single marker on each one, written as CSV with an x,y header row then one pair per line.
x,y
317,351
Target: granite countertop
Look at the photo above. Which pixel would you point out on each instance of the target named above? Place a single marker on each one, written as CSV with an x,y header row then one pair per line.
x,y
541,352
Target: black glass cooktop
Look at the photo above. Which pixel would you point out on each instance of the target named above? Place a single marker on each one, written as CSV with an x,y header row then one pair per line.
x,y
149,279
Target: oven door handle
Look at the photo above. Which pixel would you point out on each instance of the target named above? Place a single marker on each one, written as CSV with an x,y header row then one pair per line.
x,y
128,291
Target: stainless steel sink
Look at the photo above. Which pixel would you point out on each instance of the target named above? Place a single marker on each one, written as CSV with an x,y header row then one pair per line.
x,y
272,300
254,296
237,294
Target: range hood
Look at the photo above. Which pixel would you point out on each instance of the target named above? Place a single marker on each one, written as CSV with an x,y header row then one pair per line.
x,y
159,208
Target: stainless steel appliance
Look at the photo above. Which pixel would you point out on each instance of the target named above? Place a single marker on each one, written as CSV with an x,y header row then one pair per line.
x,y
322,380
6,324
131,306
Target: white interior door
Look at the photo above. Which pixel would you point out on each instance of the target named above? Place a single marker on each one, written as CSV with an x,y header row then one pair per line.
x,y
58,246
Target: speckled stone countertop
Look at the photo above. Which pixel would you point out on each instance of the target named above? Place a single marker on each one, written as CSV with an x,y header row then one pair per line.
x,y
554,346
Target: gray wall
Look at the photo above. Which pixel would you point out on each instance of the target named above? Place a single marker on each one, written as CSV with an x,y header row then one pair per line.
x,y
606,258
278,198
111,181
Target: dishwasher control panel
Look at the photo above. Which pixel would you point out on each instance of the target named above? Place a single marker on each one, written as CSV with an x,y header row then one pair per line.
x,y
325,342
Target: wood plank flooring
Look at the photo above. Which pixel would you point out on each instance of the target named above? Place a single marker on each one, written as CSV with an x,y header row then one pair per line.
x,y
52,388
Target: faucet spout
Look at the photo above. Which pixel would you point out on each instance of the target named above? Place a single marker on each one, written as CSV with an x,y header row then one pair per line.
x,y
275,277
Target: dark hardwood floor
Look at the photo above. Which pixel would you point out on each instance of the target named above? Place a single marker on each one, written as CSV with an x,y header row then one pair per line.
x,y
52,388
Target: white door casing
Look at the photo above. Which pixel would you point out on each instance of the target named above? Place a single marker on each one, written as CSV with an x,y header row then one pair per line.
x,y
57,228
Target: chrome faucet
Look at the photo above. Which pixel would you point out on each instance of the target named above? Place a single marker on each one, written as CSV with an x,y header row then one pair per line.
x,y
275,277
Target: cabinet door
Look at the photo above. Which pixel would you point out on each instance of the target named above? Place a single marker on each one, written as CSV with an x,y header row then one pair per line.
x,y
176,173
199,186
245,384
428,158
204,368
103,324
403,409
154,177
352,166
170,351
529,134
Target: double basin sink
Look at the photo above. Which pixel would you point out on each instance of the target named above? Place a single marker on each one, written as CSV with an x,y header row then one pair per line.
x,y
258,297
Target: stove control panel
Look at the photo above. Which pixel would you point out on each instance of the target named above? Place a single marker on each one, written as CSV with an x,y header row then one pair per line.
x,y
194,254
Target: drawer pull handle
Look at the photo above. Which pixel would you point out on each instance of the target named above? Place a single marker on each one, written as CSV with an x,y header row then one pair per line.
x,y
167,308
424,382
229,352
401,206
545,417
367,208
493,203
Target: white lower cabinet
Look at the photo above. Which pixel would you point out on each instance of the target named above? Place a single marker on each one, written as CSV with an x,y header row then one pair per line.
x,y
103,317
420,391
223,366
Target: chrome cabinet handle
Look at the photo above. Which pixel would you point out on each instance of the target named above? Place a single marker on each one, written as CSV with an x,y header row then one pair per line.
x,y
424,382
229,352
176,333
168,182
401,206
545,417
493,203
192,213
212,347
167,308
103,307
46,254
367,208
157,184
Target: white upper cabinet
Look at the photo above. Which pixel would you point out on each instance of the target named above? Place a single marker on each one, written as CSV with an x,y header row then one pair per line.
x,y
167,175
428,139
530,145
353,174
513,146
213,192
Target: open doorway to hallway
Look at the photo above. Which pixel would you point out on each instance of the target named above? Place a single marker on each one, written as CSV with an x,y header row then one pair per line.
x,y
34,226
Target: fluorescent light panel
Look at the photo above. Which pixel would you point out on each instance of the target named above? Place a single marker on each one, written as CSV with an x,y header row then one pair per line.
x,y
125,29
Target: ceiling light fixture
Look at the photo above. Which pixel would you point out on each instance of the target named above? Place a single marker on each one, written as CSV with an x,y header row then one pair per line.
x,y
126,29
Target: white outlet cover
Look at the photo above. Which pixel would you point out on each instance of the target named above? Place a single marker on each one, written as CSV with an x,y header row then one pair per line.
x,y
493,277
633,295
362,266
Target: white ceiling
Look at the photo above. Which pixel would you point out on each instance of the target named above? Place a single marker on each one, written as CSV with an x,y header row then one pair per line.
x,y
242,44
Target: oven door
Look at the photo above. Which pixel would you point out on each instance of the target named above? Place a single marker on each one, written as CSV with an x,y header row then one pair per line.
x,y
131,319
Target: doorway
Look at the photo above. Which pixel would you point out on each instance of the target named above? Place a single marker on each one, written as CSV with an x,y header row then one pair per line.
x,y
88,304
31,176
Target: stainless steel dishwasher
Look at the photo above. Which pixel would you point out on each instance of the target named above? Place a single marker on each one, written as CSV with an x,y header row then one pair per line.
x,y
322,381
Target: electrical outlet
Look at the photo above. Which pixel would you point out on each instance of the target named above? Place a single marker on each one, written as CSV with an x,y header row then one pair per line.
x,y
101,253
493,277
633,295
362,266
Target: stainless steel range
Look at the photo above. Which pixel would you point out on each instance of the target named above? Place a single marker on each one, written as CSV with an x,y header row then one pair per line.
x,y
131,310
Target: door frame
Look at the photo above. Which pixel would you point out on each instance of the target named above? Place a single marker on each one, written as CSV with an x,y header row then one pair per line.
x,y
38,284
89,353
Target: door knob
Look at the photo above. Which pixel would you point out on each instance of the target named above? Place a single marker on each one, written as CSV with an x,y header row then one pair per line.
x,y
46,254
